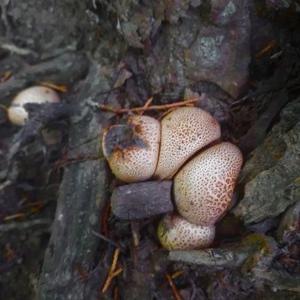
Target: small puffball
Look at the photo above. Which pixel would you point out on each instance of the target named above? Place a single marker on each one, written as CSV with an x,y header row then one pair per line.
x,y
17,113
184,131
175,233
203,188
132,149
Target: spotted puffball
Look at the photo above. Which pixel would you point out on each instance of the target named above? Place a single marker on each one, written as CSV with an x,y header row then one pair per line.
x,y
176,233
203,188
17,113
132,149
184,131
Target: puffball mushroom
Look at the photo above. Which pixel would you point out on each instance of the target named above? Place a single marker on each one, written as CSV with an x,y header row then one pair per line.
x,y
184,131
132,149
203,188
17,113
176,233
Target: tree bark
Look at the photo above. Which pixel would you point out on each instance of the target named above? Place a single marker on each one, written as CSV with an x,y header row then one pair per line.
x,y
82,194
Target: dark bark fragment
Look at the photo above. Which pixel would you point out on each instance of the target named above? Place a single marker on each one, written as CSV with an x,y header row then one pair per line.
x,y
142,200
64,69
82,195
214,258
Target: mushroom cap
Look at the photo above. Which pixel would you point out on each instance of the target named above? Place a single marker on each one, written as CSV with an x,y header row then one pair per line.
x,y
17,113
203,188
184,131
176,233
132,149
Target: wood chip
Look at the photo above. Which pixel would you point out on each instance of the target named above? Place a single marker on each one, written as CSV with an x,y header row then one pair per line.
x,y
142,200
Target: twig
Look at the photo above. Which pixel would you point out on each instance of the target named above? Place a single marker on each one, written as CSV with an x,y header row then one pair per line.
x,y
116,293
5,76
101,236
116,273
135,241
110,278
5,184
37,203
57,87
24,225
165,113
112,271
147,104
115,260
135,233
25,211
15,49
14,217
153,107
267,49
176,274
173,287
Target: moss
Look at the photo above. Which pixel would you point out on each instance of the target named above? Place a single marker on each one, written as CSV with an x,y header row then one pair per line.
x,y
275,149
261,246
297,181
258,241
162,236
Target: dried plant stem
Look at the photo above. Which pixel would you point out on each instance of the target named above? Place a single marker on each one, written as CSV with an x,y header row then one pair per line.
x,y
147,104
176,274
57,87
112,271
14,216
5,76
152,107
173,287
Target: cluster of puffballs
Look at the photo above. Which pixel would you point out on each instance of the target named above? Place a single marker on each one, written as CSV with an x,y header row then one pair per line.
x,y
185,146
17,112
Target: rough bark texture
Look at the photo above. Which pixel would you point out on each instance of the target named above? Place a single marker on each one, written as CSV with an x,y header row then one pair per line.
x,y
82,195
142,200
65,69
272,174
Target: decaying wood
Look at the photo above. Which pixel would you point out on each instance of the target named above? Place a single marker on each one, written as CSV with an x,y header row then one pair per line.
x,y
142,200
212,257
64,69
82,195
44,223
282,280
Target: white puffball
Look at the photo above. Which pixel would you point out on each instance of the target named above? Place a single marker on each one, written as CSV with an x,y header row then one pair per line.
x,y
17,113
